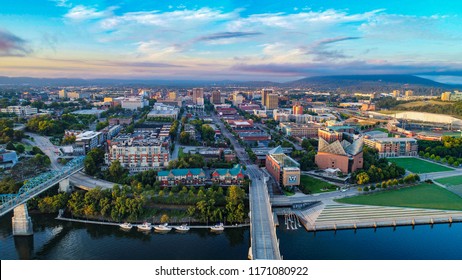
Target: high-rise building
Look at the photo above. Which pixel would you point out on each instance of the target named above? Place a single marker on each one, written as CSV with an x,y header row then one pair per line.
x,y
446,96
297,109
62,93
395,93
216,97
172,95
238,99
198,96
272,101
264,94
408,93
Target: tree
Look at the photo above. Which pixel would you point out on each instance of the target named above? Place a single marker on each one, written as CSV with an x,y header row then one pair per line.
x,y
362,178
90,166
20,148
207,133
185,138
164,218
97,155
36,150
10,146
68,139
235,204
116,171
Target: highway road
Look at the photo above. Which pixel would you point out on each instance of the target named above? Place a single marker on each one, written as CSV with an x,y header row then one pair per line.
x,y
264,242
46,146
240,151
78,179
87,182
264,127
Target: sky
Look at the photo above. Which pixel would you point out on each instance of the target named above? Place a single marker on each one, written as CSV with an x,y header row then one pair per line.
x,y
229,40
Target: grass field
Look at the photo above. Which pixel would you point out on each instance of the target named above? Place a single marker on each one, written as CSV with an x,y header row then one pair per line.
x,y
450,181
452,134
418,166
411,105
180,152
421,196
310,184
384,130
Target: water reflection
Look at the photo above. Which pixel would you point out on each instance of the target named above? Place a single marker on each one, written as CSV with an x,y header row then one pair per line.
x,y
55,239
24,247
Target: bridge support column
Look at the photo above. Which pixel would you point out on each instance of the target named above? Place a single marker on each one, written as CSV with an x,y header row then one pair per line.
x,y
64,186
22,223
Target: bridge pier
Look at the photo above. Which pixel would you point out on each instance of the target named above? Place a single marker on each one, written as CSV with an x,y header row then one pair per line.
x,y
22,223
64,186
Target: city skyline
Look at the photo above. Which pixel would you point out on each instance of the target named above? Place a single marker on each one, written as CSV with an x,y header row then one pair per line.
x,y
240,40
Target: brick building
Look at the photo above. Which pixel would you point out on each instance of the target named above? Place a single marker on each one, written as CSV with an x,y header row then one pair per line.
x,y
346,156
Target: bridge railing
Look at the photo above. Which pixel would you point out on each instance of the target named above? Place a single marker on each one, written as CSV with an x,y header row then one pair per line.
x,y
38,184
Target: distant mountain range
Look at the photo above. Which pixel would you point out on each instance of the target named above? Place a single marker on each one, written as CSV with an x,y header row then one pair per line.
x,y
376,83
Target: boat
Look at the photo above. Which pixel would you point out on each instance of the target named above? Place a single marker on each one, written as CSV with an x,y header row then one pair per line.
x,y
217,228
163,228
145,226
182,228
126,226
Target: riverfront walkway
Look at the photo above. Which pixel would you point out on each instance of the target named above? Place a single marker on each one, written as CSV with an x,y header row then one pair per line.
x,y
343,216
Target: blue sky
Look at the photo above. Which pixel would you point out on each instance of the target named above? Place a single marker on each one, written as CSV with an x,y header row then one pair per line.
x,y
218,40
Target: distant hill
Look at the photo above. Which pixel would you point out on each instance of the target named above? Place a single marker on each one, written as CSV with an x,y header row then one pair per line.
x,y
344,83
376,83
28,81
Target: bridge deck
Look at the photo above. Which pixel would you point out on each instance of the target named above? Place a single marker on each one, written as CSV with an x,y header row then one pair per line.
x,y
264,243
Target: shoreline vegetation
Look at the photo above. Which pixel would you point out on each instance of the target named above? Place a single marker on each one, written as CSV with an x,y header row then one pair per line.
x,y
137,204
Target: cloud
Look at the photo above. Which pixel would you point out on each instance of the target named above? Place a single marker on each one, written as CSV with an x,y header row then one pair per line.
x,y
336,39
301,21
12,45
179,19
62,3
320,49
81,13
227,35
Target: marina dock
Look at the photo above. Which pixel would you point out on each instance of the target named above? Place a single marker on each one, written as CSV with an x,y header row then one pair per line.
x,y
135,225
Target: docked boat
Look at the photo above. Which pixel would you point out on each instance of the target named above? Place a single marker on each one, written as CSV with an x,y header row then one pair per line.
x,y
145,226
182,228
126,226
218,227
163,228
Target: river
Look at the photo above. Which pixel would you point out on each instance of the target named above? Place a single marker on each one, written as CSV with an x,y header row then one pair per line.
x,y
54,239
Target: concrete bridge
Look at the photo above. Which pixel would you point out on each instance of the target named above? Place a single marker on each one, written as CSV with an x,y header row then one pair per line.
x,y
264,242
22,224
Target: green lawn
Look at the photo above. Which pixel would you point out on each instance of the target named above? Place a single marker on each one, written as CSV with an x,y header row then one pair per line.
x,y
418,166
450,181
310,184
27,148
452,134
421,196
181,153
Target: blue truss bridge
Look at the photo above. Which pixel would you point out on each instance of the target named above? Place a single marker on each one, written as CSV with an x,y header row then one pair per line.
x,y
39,184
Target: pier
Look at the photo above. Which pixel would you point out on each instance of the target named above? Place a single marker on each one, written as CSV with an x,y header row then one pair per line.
x,y
60,218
